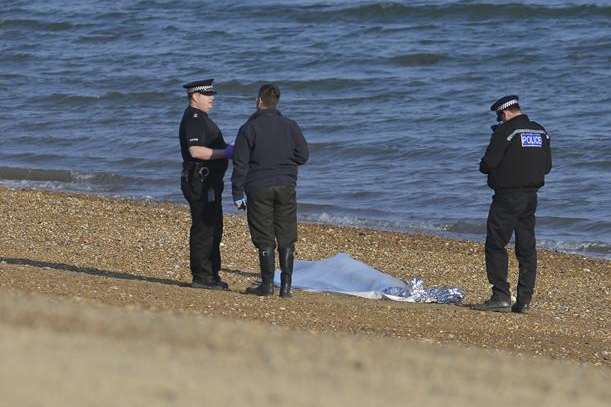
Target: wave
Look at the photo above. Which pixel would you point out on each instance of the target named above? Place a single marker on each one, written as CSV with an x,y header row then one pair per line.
x,y
64,99
335,218
603,165
328,85
466,227
418,59
235,86
99,38
593,248
36,25
148,97
46,140
68,99
316,147
66,176
325,84
591,226
392,11
30,174
18,57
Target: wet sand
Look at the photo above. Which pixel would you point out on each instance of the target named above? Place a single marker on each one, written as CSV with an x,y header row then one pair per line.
x,y
77,259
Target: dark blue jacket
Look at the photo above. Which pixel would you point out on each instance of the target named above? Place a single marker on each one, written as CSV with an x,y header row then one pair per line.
x,y
268,149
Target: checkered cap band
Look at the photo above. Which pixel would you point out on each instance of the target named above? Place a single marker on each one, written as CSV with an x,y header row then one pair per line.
x,y
206,88
507,104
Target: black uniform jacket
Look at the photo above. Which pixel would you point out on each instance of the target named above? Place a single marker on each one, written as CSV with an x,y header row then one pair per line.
x,y
197,129
268,149
518,156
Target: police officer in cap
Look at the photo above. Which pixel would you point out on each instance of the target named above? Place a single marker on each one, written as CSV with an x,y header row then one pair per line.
x,y
204,153
516,162
268,149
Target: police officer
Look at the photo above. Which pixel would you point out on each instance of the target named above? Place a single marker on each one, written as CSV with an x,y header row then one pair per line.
x,y
268,149
204,153
516,162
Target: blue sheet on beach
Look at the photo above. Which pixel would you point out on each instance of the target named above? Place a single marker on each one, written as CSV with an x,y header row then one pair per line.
x,y
344,275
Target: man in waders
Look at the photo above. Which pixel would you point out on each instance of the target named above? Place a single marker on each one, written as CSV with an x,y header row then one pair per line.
x,y
268,149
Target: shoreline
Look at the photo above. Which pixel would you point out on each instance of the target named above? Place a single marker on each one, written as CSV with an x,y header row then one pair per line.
x,y
133,254
446,235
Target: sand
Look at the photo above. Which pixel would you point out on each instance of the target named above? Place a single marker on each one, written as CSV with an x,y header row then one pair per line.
x,y
99,288
57,353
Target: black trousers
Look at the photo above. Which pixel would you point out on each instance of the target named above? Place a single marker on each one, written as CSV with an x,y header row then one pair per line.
x,y
512,211
206,232
272,216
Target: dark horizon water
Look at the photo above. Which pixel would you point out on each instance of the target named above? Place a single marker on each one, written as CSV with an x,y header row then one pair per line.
x,y
393,99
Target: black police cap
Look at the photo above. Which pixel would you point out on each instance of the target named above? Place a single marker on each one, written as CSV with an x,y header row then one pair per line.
x,y
504,102
204,87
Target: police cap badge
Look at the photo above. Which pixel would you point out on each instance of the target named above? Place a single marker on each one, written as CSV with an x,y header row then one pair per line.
x,y
204,87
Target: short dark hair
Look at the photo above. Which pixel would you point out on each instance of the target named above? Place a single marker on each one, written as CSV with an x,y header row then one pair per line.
x,y
269,94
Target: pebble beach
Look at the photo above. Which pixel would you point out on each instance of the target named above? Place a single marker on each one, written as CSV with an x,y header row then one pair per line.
x,y
134,254
65,256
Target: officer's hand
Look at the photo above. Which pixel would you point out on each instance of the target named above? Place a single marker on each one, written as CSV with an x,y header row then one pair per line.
x,y
229,151
240,204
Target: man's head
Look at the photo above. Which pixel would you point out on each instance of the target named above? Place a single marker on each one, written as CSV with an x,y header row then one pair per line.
x,y
201,94
506,108
268,97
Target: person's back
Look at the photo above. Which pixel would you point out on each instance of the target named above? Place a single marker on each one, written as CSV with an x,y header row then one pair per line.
x,y
526,160
268,150
516,161
276,147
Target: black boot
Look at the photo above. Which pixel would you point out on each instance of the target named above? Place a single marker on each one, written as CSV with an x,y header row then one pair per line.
x,y
213,283
495,304
267,263
520,307
286,265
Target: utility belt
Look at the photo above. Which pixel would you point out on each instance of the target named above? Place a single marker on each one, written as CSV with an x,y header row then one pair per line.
x,y
199,183
194,171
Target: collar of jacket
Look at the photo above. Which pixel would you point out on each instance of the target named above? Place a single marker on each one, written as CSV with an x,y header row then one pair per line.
x,y
196,110
515,122
518,119
270,111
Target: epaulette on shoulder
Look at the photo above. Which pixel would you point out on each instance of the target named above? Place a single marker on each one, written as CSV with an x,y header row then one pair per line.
x,y
541,128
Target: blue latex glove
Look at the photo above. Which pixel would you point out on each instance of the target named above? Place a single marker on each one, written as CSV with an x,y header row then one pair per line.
x,y
240,204
229,151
